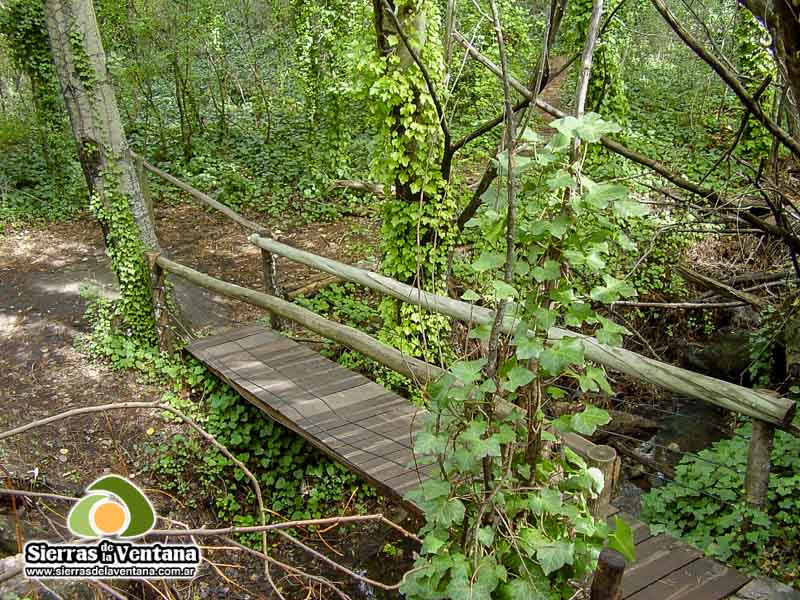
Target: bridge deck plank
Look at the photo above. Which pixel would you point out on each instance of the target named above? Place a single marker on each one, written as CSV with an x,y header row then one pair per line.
x,y
371,431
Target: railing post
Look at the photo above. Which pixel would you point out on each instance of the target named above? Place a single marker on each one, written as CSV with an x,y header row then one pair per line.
x,y
270,269
607,582
604,458
756,482
158,276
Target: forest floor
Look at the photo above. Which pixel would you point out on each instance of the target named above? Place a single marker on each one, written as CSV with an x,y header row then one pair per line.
x,y
43,371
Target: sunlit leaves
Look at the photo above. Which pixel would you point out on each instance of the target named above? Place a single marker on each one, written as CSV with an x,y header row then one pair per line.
x,y
561,354
613,290
621,539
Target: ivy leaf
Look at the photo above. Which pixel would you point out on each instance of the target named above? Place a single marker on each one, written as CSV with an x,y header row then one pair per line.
x,y
611,333
432,543
587,421
612,290
528,347
555,555
561,354
502,290
430,443
621,539
549,272
517,378
577,313
547,501
488,260
600,195
630,208
449,512
486,536
545,318
468,371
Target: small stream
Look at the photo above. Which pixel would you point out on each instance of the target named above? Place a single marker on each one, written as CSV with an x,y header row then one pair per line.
x,y
688,426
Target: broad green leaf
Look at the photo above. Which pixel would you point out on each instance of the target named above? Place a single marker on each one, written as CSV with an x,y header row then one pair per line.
x,y
528,346
621,540
630,208
430,443
566,126
612,290
470,296
432,543
517,378
555,555
545,318
546,501
561,354
550,271
502,290
588,420
489,260
486,536
611,333
468,371
562,179
449,512
600,195
592,127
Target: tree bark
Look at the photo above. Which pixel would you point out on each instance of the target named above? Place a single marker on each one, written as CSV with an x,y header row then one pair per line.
x,y
92,105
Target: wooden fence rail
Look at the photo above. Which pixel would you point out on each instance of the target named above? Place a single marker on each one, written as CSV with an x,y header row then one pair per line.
x,y
760,405
768,409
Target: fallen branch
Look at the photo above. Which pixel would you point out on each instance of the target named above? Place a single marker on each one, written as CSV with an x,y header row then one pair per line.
x,y
686,305
361,186
720,287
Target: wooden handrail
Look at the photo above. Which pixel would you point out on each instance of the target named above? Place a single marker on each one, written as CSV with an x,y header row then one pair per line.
x,y
754,403
204,198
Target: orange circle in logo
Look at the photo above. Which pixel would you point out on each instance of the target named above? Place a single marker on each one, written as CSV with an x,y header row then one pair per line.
x,y
109,517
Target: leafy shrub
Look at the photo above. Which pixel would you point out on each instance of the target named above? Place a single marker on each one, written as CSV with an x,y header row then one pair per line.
x,y
705,507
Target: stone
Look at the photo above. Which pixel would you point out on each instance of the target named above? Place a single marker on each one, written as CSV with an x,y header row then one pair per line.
x,y
766,589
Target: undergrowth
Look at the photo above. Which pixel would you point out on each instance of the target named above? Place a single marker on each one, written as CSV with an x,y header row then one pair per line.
x,y
298,481
705,506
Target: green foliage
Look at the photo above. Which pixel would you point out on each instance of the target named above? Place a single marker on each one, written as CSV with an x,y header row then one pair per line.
x,y
345,303
504,519
127,253
705,507
24,32
755,64
761,344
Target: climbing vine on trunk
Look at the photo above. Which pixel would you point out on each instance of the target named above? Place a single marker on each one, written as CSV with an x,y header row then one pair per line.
x,y
115,196
410,158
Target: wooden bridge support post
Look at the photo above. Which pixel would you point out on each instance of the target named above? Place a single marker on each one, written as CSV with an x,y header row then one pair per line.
x,y
270,269
158,284
604,458
607,582
756,481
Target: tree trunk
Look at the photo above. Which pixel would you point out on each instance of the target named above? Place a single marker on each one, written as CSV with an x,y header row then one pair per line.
x,y
115,192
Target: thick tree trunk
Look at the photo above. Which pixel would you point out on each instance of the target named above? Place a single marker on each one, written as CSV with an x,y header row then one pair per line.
x,y
115,194
102,147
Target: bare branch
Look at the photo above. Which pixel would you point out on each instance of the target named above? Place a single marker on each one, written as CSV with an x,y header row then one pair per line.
x,y
730,79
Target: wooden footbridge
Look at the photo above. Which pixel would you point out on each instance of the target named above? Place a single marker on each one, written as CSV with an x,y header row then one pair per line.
x,y
371,430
